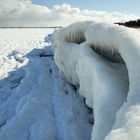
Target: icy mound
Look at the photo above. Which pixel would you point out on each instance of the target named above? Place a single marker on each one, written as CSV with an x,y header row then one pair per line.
x,y
74,33
103,83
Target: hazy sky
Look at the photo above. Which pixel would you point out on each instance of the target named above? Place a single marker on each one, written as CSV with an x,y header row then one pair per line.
x,y
125,6
61,13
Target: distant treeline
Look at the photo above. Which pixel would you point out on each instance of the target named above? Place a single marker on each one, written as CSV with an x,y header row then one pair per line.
x,y
132,23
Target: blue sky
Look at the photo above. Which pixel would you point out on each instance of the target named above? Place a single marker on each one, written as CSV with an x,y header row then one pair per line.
x,y
125,6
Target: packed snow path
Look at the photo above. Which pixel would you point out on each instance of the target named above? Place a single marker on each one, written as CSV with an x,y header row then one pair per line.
x,y
38,104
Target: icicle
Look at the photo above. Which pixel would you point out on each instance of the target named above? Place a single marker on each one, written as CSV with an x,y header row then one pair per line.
x,y
112,51
95,48
101,51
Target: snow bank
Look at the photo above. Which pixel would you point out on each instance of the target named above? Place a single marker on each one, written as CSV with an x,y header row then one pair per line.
x,y
85,67
126,42
102,83
74,33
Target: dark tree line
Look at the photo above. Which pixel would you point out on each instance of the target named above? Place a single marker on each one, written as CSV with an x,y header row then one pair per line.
x,y
134,23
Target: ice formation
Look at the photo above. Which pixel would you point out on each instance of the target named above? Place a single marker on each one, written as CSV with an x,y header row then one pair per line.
x,y
75,33
108,88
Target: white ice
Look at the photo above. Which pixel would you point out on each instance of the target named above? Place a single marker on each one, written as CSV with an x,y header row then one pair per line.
x,y
111,89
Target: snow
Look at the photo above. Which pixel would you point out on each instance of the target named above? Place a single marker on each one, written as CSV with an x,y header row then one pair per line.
x,y
80,83
87,70
73,33
126,42
36,102
110,88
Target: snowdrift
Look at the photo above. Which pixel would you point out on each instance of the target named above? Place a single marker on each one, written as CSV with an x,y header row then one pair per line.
x,y
102,59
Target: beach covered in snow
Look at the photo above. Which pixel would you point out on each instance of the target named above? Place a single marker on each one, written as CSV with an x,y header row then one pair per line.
x,y
80,82
37,103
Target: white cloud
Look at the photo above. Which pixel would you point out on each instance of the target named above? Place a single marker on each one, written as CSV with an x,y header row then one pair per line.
x,y
25,13
66,8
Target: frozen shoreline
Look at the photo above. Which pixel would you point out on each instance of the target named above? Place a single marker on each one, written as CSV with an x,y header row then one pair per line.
x,y
111,92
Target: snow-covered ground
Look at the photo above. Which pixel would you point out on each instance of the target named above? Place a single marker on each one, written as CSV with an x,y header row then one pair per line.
x,y
36,101
47,92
